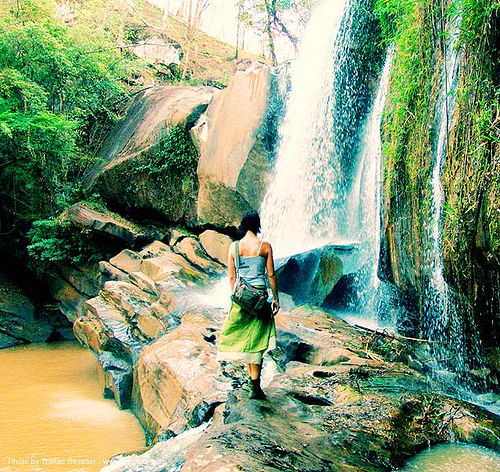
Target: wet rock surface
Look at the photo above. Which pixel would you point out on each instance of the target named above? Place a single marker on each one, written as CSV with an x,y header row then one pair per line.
x,y
340,407
143,298
309,277
339,397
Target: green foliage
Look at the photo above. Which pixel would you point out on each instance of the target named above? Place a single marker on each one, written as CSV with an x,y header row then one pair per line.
x,y
57,88
409,25
162,177
471,176
58,241
176,155
471,220
60,89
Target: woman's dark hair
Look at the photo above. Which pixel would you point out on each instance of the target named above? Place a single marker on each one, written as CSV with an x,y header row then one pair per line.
x,y
250,222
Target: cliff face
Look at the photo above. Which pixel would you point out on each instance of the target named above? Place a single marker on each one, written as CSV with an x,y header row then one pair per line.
x,y
469,173
471,178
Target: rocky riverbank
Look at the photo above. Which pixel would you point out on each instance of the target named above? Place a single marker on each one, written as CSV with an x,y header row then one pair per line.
x,y
339,397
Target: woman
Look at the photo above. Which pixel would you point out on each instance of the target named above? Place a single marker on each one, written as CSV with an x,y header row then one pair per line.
x,y
244,337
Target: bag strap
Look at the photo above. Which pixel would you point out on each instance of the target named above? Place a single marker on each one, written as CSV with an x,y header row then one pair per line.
x,y
237,253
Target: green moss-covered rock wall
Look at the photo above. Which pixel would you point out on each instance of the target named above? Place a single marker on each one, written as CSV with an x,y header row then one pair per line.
x,y
470,179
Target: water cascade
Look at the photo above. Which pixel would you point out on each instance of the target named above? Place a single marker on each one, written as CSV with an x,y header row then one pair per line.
x,y
328,167
301,208
442,321
365,201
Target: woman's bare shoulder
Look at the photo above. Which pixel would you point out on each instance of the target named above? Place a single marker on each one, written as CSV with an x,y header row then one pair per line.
x,y
266,247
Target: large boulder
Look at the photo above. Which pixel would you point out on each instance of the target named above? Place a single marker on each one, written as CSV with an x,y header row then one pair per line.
x,y
309,277
21,321
216,245
234,166
178,382
126,178
106,223
144,297
157,50
18,324
15,330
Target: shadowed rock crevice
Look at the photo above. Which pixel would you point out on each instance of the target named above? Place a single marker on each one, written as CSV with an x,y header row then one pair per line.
x,y
311,400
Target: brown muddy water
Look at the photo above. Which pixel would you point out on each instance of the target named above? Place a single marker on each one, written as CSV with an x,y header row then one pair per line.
x,y
455,457
52,414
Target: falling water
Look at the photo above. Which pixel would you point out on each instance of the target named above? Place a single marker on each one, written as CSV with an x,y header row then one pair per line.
x,y
364,209
315,197
301,207
442,322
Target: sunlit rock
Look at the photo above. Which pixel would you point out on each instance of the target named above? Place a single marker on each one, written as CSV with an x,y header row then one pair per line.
x,y
191,248
178,381
234,165
216,245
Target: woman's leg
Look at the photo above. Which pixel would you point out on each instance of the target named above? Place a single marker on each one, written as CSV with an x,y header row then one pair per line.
x,y
253,371
255,389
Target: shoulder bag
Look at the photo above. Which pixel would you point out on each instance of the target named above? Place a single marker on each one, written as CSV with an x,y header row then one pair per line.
x,y
251,299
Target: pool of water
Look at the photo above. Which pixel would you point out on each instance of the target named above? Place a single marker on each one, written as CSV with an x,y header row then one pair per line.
x,y
52,414
454,457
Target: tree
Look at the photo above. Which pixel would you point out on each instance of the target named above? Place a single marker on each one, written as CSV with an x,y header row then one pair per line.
x,y
268,16
58,85
194,10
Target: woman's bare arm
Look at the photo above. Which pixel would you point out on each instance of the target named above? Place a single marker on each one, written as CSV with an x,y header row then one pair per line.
x,y
273,280
230,266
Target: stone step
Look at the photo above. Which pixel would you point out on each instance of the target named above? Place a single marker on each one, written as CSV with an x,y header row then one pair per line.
x,y
144,282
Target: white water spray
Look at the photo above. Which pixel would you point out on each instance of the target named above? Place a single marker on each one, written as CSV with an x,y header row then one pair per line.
x,y
299,209
442,322
365,200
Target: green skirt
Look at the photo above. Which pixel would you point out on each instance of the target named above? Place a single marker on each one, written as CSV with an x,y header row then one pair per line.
x,y
244,337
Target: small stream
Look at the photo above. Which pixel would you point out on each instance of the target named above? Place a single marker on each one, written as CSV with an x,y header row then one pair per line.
x,y
53,415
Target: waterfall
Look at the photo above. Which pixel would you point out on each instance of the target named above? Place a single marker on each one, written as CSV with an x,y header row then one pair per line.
x,y
365,202
300,209
442,323
325,189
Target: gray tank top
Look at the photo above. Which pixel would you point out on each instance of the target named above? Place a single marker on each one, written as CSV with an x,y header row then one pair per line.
x,y
253,269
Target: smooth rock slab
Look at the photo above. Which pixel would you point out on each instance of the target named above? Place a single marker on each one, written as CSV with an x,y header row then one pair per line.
x,y
234,167
177,380
216,245
158,51
192,250
106,223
